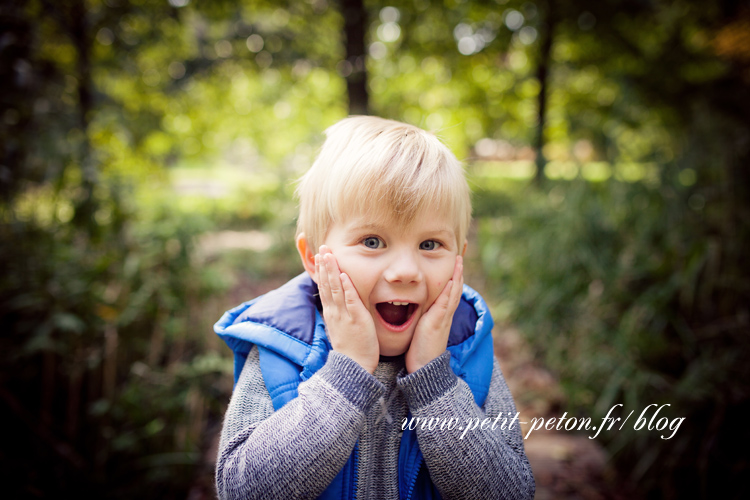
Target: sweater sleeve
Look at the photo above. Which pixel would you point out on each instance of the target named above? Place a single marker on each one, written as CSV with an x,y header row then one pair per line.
x,y
296,451
477,462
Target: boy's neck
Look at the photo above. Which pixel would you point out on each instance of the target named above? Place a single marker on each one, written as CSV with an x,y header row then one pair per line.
x,y
391,358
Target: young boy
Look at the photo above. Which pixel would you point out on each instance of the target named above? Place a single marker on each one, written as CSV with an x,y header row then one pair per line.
x,y
372,374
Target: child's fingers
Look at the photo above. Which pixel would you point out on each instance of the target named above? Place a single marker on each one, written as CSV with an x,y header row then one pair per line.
x,y
324,250
348,287
458,268
334,281
451,294
354,304
458,283
445,305
435,318
445,299
323,288
329,287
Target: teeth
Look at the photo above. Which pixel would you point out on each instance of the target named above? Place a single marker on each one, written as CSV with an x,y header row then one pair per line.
x,y
399,303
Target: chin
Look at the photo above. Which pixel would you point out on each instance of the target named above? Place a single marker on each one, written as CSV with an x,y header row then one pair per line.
x,y
396,352
393,350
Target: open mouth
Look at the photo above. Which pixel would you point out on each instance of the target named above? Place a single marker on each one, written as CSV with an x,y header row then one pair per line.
x,y
396,313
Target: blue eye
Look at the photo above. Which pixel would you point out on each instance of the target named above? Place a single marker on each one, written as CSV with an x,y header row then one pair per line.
x,y
372,242
429,245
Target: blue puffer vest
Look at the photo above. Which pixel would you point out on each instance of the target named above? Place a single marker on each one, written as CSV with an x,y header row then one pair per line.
x,y
288,329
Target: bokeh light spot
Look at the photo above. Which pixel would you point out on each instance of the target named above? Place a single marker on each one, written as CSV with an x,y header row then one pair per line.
x,y
527,35
378,50
254,43
390,14
176,70
513,19
389,32
687,177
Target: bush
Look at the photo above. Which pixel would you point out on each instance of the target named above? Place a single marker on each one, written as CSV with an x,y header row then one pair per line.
x,y
636,294
108,379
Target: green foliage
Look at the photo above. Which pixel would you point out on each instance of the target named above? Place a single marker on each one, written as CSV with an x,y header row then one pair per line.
x,y
95,327
625,297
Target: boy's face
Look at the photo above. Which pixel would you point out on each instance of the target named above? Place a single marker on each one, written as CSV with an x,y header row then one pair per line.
x,y
398,271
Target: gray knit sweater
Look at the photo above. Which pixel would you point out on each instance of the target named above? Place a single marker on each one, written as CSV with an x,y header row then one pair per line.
x,y
296,451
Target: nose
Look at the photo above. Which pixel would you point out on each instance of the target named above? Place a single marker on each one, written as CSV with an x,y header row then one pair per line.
x,y
403,268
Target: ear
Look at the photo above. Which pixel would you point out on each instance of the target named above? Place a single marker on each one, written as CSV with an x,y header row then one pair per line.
x,y
463,251
307,255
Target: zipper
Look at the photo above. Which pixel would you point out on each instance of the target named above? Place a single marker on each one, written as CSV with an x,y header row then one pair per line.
x,y
410,491
355,475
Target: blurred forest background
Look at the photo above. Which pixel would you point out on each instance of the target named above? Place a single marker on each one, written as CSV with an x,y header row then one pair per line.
x,y
148,150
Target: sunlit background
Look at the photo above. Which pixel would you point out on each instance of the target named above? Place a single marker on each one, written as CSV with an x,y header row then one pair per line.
x,y
148,152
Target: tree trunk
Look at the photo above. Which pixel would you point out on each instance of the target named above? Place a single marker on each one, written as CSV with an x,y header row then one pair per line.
x,y
546,30
80,34
355,25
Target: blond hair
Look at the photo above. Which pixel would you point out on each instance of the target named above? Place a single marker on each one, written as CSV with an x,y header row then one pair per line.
x,y
388,170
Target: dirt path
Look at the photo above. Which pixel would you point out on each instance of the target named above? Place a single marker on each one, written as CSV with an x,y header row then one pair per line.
x,y
566,466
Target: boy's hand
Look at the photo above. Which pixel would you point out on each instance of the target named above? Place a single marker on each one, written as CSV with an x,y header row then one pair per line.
x,y
431,334
349,324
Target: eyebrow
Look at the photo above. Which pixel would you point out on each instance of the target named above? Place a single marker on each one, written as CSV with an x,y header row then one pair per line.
x,y
371,226
446,232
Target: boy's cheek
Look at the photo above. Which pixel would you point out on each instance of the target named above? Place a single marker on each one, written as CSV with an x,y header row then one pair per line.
x,y
439,285
445,275
355,282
